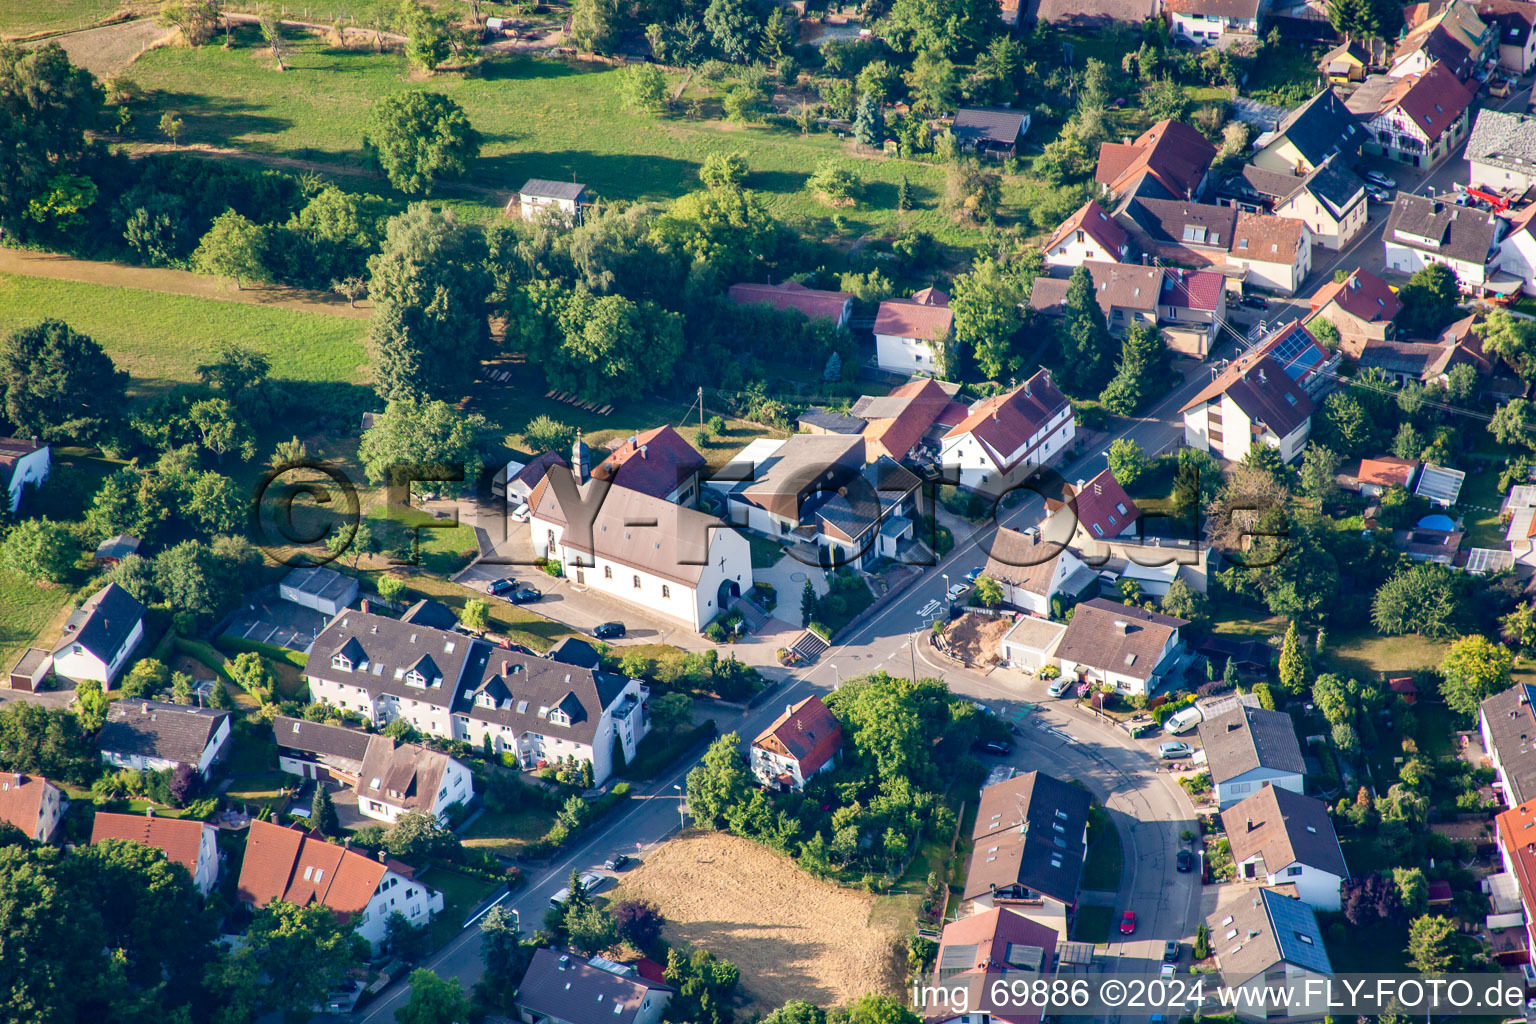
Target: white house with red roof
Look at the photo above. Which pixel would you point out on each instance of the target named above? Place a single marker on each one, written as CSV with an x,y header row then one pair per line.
x,y
1515,832
1362,307
1006,438
1191,305
1102,511
299,867
1517,253
1376,475
801,743
982,958
791,296
32,804
1089,234
1255,400
910,334
657,462
185,841
1416,119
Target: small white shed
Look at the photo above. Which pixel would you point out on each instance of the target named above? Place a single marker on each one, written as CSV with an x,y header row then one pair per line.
x,y
1031,643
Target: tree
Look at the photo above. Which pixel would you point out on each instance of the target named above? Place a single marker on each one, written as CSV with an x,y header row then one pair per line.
x,y
1345,426
351,288
718,782
322,812
417,835
428,285
232,248
475,615
171,126
147,677
1127,461
836,184
638,922
1083,336
220,428
58,384
1423,599
946,28
269,20
879,1008
429,39
292,958
1184,602
733,27
39,550
1429,301
987,305
1319,473
434,1000
1353,19
590,929
49,105
670,712
722,170
90,704
933,84
1473,668
1514,423
196,19
779,35
252,675
596,25
545,434
728,229
420,137
868,123
904,195
1434,947
1519,627
390,588
1412,889
1141,373
240,375
1295,667
643,87
988,591
807,604
972,193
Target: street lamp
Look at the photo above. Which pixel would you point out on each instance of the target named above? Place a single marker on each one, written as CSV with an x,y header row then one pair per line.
x,y
836,675
682,807
912,643
945,577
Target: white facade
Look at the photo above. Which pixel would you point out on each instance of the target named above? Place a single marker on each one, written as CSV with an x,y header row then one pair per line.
x,y
768,765
396,893
1284,278
207,872
1240,787
457,787
1330,231
896,354
1315,887
535,208
1067,563
1394,134
75,662
1125,684
1206,29
31,468
1406,260
1080,246
150,763
977,467
1488,175
1517,256
1224,430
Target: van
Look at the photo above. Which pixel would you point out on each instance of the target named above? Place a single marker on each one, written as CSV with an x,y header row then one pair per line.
x,y
1183,721
592,882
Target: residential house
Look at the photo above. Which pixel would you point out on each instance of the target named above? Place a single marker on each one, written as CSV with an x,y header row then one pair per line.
x,y
668,559
1417,119
911,334
1276,252
99,637
1514,22
657,462
1120,645
1515,836
1179,231
1127,293
1028,846
1101,511
1330,199
1031,644
563,988
1423,231
1170,160
1209,22
1352,60
791,296
895,426
1508,726
1268,943
1191,308
990,131
1089,234
1362,307
321,589
32,804
1248,749
445,684
114,549
1516,261
564,201
1253,401
980,961
1281,837
400,777
801,743
1426,545
1090,13
151,735
816,490
23,462
817,420
1455,36
518,479
300,867
1319,129
1007,437
186,841
1431,361
1378,474
1032,570
315,750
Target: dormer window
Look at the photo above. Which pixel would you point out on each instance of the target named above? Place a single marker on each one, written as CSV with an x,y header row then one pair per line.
x,y
559,717
341,662
415,678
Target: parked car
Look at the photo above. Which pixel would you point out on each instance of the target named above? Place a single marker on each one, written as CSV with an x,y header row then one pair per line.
x,y
501,586
1166,972
1379,179
1182,721
1171,951
971,576
524,595
521,513
1059,687
996,748
955,591
1173,750
1184,861
617,861
590,881
1255,301
1380,195
608,630
1128,922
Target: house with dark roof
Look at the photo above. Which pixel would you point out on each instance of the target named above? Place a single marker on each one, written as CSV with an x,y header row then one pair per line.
x,y
400,777
1515,23
1320,128
1127,293
1281,837
32,804
658,462
1090,13
1263,942
516,480
1426,545
1455,36
299,867
1362,307
1353,59
114,549
800,743
1028,846
1089,234
1120,645
563,988
1032,569
990,131
1418,119
1212,22
573,650
316,750
817,420
565,201
1178,230
186,841
325,590
1507,722
1330,199
99,637
22,463
792,296
982,958
151,735
1169,160
1005,439
1253,401
910,334
1421,231
1247,749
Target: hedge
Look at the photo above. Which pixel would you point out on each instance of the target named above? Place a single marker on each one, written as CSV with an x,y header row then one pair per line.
x,y
648,763
238,644
204,653
559,835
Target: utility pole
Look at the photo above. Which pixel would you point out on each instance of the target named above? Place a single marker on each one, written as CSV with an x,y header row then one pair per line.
x,y
701,405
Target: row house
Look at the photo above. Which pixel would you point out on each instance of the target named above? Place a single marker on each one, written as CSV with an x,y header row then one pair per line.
x,y
1330,199
1265,396
1170,160
1320,130
1261,249
1090,234
1213,22
1281,837
1027,849
1362,307
911,334
1514,22
1421,231
1188,305
1005,439
1455,35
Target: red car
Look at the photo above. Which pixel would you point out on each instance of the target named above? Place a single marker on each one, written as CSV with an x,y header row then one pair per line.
x,y
1128,922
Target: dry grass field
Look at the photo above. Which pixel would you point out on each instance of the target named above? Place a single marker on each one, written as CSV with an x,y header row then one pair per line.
x,y
792,936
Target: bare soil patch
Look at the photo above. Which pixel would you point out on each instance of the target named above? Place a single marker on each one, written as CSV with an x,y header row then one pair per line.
x,y
108,50
974,638
792,936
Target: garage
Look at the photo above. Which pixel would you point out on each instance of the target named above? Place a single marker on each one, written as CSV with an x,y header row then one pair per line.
x,y
325,590
1031,643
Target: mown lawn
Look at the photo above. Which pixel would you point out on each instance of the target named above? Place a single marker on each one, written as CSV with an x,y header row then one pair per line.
x,y
461,894
506,834
1091,924
161,339
539,117
25,608
1105,862
24,17
507,619
1479,506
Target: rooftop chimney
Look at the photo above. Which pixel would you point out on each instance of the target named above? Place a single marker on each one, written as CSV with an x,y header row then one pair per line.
x,y
149,812
1250,824
642,450
789,709
506,667
365,606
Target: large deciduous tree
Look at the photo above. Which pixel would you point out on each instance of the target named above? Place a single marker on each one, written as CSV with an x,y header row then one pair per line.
x,y
49,105
1473,668
420,137
59,384
419,434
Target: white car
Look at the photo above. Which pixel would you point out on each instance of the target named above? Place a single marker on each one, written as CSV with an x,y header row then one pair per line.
x,y
521,513
1059,687
1167,971
955,591
589,881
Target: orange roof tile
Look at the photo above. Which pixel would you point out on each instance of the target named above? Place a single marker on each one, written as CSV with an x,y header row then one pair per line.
x,y
277,860
179,838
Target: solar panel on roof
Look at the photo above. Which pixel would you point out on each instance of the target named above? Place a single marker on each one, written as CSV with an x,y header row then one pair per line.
x,y
1297,933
